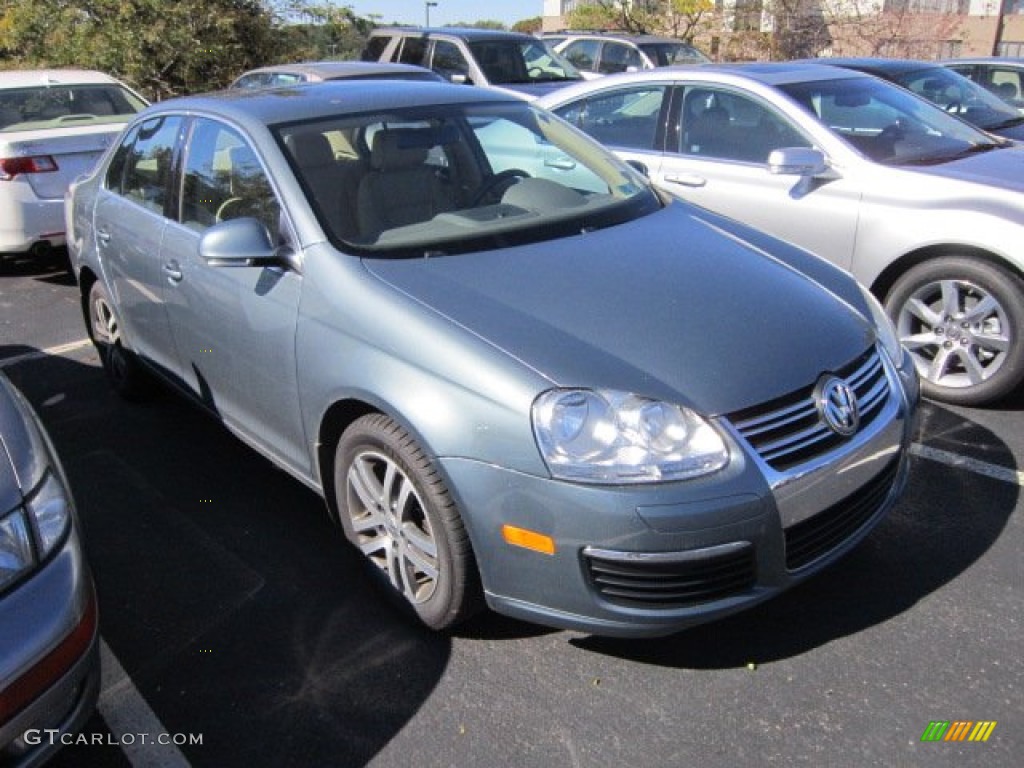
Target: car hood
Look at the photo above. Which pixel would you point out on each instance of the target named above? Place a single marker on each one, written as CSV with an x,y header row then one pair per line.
x,y
1015,132
1002,168
678,305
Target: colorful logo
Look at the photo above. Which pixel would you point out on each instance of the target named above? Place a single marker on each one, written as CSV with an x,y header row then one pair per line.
x,y
958,730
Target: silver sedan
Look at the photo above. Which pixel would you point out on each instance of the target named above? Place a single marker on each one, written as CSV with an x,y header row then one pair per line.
x,y
924,209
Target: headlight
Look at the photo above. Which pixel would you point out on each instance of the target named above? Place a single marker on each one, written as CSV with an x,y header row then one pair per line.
x,y
16,556
49,511
29,534
887,336
604,436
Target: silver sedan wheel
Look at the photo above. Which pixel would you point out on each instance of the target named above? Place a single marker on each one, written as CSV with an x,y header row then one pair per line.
x,y
106,332
957,333
391,526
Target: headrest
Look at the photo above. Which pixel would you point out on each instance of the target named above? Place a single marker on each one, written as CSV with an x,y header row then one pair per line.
x,y
396,148
311,150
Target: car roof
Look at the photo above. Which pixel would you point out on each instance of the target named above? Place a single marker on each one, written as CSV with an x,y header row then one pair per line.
x,y
469,34
309,101
330,70
877,64
1013,61
24,78
766,72
626,37
771,74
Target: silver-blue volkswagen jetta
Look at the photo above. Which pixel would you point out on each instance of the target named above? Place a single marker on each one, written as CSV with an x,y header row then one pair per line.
x,y
517,373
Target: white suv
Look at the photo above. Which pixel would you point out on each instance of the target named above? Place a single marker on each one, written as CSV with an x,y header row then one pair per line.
x,y
608,54
54,125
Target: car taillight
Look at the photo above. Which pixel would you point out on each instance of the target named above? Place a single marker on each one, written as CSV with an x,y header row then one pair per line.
x,y
12,166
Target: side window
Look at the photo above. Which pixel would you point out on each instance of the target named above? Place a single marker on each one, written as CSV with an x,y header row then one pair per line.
x,y
616,57
448,60
141,170
223,179
1007,85
414,50
728,126
622,118
582,54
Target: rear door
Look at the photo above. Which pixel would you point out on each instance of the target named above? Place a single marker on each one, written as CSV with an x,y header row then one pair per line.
x,y
129,226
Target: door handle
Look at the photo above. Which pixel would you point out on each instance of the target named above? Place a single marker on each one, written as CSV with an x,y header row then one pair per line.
x,y
103,236
686,179
173,272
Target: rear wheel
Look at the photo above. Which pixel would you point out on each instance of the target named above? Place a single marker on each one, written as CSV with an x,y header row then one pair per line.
x,y
961,320
396,509
125,373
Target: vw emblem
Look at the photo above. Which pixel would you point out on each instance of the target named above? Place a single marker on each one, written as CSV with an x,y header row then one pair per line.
x,y
837,404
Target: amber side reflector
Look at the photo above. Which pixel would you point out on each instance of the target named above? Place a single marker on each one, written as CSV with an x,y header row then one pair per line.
x,y
520,537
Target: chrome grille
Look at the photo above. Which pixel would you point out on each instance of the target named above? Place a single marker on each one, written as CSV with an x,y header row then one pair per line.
x,y
789,430
809,539
672,579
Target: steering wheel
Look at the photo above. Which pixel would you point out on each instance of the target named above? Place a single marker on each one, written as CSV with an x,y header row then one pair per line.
x,y
895,131
231,208
502,180
535,71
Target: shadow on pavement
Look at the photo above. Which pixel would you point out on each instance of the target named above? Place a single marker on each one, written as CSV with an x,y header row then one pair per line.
x,y
225,591
946,520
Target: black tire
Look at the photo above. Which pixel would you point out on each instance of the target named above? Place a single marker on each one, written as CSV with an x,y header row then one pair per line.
x,y
962,321
124,372
395,508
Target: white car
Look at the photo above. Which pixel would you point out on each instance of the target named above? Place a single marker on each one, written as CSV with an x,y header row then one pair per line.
x,y
54,125
924,209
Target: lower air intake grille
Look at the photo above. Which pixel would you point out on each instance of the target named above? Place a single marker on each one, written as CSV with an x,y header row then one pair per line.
x,y
809,539
672,579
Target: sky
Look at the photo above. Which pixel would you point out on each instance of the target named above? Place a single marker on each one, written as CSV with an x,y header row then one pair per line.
x,y
448,11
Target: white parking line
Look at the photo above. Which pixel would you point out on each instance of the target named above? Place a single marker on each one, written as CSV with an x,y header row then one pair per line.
x,y
132,722
1007,475
60,349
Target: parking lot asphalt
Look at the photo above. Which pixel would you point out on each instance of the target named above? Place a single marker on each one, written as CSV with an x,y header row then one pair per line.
x,y
233,611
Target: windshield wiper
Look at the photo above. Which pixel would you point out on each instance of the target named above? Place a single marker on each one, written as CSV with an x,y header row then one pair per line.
x,y
974,149
1005,124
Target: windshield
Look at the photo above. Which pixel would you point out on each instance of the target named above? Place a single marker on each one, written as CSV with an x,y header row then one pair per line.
x,y
886,123
667,54
513,62
960,96
459,178
58,106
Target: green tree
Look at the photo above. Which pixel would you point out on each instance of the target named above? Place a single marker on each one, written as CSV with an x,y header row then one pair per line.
x,y
679,18
529,26
164,49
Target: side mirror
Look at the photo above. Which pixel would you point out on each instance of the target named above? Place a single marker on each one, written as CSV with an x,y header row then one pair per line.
x,y
798,161
240,242
636,165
